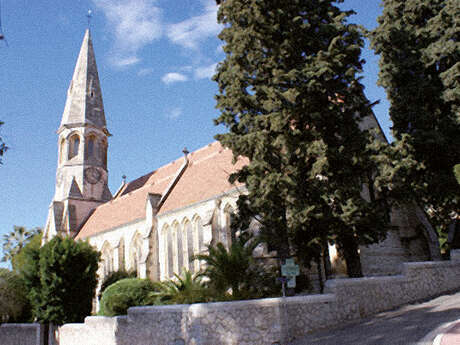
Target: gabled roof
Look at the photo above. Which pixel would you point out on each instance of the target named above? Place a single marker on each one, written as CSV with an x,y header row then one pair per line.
x,y
205,176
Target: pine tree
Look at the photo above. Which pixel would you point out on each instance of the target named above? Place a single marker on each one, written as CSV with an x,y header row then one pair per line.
x,y
292,101
419,47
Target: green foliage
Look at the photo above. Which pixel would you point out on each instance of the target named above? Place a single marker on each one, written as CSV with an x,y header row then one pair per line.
x,y
235,273
184,290
3,147
18,260
61,278
15,240
457,172
419,47
125,293
290,95
114,277
14,305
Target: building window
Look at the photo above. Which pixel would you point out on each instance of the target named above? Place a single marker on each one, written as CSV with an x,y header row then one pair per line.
x,y
189,245
170,258
90,146
61,151
103,152
198,237
107,260
136,252
74,145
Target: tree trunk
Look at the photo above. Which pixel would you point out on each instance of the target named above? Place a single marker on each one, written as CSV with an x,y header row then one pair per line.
x,y
320,274
326,260
351,255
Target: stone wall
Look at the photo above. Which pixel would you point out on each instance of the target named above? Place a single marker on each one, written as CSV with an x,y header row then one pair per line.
x,y
21,334
266,321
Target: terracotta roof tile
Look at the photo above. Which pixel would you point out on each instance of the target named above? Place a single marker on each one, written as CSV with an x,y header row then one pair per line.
x,y
205,176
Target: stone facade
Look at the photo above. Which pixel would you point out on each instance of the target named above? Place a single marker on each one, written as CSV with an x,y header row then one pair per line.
x,y
266,321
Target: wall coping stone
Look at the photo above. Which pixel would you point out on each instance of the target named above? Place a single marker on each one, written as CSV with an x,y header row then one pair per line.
x,y
230,305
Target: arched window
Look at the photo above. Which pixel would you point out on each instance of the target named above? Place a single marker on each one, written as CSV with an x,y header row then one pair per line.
x,y
121,255
178,249
103,152
189,245
170,257
107,259
165,252
61,151
90,143
74,145
198,237
136,252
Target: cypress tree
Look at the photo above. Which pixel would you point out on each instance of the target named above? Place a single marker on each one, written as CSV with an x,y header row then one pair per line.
x,y
419,47
61,279
290,95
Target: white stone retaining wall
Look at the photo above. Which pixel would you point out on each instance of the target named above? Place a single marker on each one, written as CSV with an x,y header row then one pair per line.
x,y
21,334
266,321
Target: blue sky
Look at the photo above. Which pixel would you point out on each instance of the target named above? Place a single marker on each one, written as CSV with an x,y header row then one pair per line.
x,y
155,59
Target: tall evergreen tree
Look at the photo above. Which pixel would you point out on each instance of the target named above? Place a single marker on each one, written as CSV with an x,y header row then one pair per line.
x,y
290,95
61,279
419,46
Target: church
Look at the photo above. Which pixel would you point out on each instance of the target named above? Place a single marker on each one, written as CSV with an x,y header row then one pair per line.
x,y
153,224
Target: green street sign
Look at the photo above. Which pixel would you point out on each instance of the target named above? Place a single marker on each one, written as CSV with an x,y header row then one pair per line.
x,y
291,282
290,269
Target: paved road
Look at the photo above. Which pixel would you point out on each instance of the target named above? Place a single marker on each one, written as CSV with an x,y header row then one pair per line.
x,y
408,325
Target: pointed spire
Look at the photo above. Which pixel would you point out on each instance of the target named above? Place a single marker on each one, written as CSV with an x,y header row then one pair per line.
x,y
84,104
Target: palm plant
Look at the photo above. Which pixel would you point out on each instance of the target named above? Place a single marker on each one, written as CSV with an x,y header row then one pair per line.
x,y
235,273
15,240
183,290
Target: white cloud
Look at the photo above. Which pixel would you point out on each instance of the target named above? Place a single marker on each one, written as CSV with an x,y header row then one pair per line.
x,y
144,71
174,113
136,23
205,72
121,61
173,77
190,32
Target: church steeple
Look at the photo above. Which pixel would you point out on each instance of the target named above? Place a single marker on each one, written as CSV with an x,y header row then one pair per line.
x,y
81,178
84,104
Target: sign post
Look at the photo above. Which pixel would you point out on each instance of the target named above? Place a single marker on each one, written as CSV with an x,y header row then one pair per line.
x,y
288,271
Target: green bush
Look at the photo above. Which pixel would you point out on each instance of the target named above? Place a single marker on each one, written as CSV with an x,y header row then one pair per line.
x,y
61,279
14,305
125,293
113,278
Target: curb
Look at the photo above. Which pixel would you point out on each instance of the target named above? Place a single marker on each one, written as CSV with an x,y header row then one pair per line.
x,y
435,336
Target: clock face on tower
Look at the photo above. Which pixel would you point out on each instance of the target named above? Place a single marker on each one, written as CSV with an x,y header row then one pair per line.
x,y
92,175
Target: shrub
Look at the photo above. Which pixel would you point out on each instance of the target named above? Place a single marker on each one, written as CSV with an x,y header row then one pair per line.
x,y
184,290
61,277
234,273
14,305
113,278
125,293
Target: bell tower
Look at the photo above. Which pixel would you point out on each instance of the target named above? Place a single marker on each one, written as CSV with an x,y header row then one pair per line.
x,y
81,178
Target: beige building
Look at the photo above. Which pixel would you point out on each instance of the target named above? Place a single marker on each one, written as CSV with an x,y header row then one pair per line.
x,y
154,223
